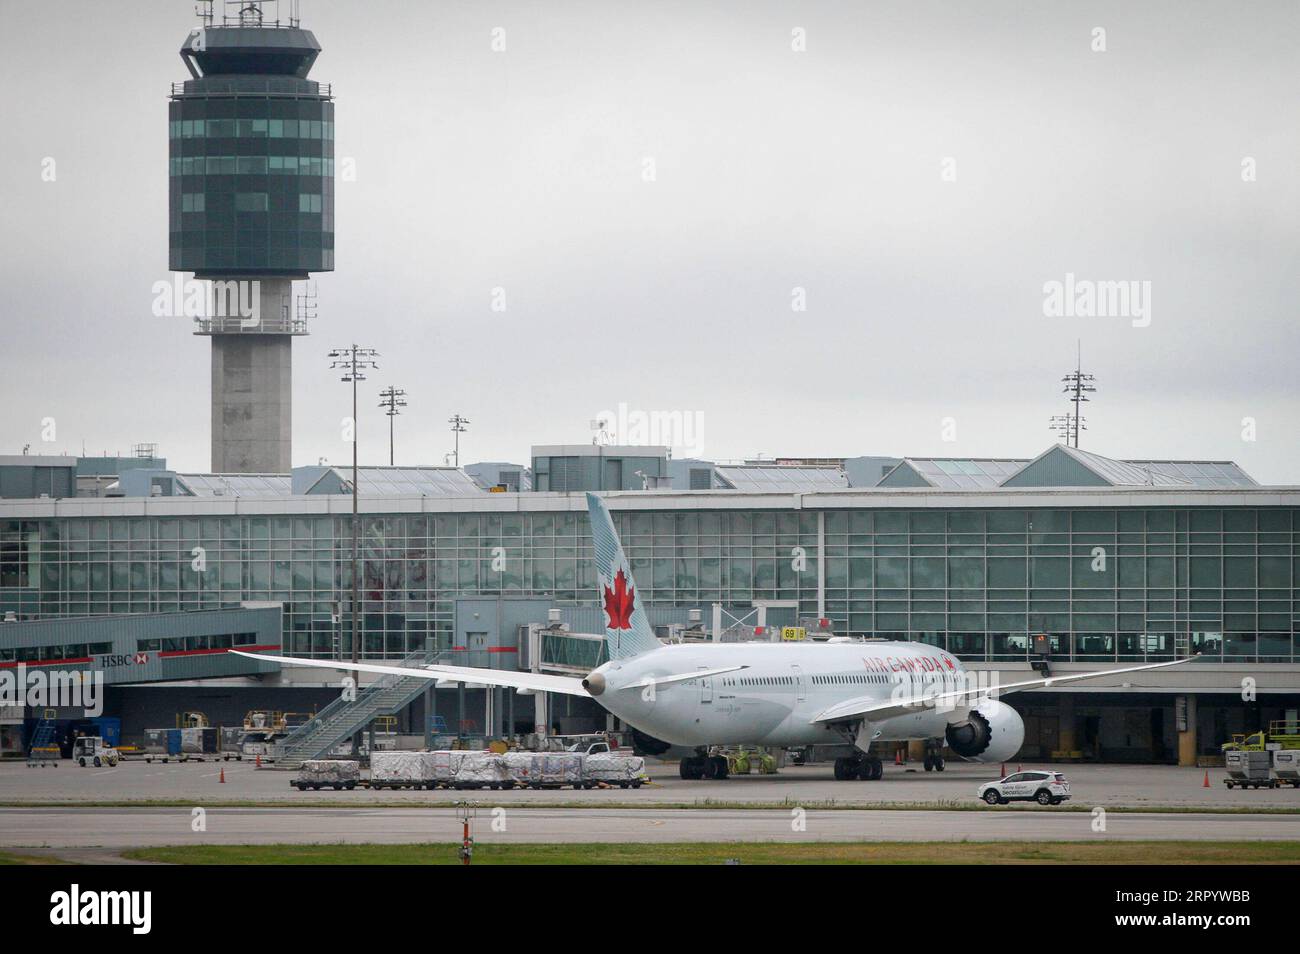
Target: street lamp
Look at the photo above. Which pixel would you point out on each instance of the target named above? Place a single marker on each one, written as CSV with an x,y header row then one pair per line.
x,y
394,399
458,427
1078,385
354,361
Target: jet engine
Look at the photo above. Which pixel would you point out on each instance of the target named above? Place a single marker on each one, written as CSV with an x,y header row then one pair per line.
x,y
993,733
643,744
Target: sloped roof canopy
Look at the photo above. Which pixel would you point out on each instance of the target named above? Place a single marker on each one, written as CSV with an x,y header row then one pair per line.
x,y
951,473
1078,469
397,481
236,485
1202,473
1062,466
776,477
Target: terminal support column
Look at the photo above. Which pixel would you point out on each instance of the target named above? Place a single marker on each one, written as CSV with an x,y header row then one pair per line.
x,y
1185,715
1065,737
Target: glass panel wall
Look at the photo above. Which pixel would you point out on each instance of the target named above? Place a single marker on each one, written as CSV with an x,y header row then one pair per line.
x,y
1104,585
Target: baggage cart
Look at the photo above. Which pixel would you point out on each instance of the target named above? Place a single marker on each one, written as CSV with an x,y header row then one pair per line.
x,y
1248,768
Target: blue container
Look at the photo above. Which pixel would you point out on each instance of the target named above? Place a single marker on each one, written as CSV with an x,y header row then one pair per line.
x,y
108,728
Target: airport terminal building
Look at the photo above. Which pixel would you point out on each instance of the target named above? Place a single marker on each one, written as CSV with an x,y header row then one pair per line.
x,y
1065,562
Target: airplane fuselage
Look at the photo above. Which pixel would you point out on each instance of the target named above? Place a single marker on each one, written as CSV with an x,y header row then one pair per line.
x,y
784,687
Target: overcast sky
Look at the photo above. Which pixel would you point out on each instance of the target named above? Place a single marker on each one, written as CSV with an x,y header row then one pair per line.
x,y
827,169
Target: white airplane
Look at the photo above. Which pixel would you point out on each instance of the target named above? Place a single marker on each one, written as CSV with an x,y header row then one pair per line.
x,y
765,694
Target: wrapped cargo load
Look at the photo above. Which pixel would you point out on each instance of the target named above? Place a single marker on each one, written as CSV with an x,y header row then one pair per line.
x,y
402,769
328,773
520,766
470,769
620,770
545,769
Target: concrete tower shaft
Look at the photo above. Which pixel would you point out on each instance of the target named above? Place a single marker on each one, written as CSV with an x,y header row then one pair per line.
x,y
251,204
252,392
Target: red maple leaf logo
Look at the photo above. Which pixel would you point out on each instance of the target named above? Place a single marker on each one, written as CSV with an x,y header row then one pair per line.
x,y
619,602
948,663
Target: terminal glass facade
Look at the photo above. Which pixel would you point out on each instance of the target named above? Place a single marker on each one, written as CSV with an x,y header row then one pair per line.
x,y
1104,584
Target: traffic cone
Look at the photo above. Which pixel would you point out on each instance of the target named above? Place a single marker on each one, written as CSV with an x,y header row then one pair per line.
x,y
223,775
1004,770
898,756
1206,783
257,762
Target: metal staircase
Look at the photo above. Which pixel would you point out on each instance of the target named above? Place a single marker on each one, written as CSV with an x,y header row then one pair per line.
x,y
341,720
45,745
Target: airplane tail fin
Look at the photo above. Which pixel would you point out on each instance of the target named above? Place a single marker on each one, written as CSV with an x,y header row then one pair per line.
x,y
627,630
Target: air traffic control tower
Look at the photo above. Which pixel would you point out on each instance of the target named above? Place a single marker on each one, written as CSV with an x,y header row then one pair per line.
x,y
252,203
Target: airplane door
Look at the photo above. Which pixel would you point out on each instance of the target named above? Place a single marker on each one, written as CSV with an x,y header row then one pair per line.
x,y
799,685
706,688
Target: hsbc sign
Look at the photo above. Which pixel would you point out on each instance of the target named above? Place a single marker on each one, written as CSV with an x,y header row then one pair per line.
x,y
118,660
135,666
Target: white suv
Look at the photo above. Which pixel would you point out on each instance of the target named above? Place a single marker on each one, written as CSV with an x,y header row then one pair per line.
x,y
1045,788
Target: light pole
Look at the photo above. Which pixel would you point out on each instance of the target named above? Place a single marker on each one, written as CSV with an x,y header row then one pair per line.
x,y
458,427
394,399
1067,426
1078,385
354,361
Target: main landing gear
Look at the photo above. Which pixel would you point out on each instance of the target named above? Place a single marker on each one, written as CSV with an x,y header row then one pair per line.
x,y
866,767
701,765
934,760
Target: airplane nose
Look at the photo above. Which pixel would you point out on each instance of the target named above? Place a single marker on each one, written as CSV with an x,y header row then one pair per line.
x,y
594,683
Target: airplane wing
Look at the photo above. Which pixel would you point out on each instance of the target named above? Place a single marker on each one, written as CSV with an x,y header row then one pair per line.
x,y
536,682
877,709
682,677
